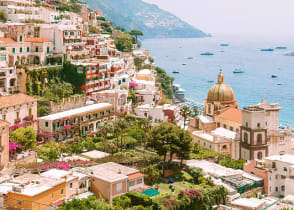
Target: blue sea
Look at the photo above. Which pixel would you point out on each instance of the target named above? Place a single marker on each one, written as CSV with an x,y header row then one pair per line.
x,y
242,52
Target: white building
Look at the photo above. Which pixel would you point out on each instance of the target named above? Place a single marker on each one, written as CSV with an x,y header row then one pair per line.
x,y
156,113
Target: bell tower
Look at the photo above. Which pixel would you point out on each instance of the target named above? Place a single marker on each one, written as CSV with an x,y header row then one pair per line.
x,y
253,134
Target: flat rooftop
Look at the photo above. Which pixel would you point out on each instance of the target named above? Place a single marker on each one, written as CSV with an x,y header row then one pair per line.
x,y
95,154
34,184
283,158
77,111
213,169
248,202
112,171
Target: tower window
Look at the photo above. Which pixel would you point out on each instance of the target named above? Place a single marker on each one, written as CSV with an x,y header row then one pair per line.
x,y
246,138
259,155
258,125
259,139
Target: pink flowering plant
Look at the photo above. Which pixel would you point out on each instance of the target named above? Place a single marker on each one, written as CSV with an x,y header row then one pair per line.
x,y
12,147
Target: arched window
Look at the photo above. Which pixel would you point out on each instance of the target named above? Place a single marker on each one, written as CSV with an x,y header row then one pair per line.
x,y
259,139
224,147
246,138
209,109
259,155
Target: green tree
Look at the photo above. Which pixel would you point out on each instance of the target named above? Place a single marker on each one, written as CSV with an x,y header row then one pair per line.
x,y
43,110
138,62
162,138
186,112
195,111
91,202
105,128
27,137
61,89
151,174
123,126
145,124
50,151
184,145
196,173
136,33
124,43
122,202
93,29
3,15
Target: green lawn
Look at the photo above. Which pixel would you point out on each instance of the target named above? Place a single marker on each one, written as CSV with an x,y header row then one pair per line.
x,y
178,184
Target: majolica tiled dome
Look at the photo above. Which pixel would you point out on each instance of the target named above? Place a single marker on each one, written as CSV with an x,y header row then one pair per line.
x,y
220,91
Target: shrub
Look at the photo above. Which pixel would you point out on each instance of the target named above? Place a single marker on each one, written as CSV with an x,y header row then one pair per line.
x,y
139,199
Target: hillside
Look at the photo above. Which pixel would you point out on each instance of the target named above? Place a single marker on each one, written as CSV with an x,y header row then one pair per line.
x,y
149,18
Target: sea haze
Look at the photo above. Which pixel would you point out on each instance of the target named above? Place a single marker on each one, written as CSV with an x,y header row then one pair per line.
x,y
243,53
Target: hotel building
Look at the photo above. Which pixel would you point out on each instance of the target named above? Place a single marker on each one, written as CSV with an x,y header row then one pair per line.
x,y
83,121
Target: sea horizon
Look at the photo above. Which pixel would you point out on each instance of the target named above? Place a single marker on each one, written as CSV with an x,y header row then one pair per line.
x,y
243,52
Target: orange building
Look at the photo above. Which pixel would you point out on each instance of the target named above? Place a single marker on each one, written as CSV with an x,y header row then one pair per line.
x,y
35,192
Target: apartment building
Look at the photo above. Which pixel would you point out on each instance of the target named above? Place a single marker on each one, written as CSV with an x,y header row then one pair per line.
x,y
83,121
19,110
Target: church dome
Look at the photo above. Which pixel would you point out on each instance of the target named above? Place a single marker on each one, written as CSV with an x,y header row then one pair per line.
x,y
220,91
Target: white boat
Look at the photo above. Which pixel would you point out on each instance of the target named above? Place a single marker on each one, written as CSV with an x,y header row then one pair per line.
x,y
238,71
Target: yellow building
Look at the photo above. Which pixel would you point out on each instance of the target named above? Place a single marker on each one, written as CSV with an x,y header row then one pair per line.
x,y
35,192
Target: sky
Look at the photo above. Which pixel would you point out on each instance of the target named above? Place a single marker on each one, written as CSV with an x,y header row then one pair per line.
x,y
250,17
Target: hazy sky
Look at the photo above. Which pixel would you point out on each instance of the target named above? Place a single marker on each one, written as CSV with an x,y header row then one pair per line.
x,y
271,17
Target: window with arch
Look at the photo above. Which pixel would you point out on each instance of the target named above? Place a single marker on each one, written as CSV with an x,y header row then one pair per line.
x,y
209,108
259,139
224,147
283,188
246,138
259,155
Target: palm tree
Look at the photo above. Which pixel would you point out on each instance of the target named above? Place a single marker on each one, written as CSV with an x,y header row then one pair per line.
x,y
123,126
106,128
186,112
145,125
195,111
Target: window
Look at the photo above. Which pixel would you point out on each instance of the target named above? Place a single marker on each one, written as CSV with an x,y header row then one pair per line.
x,y
20,38
118,187
259,155
124,80
13,50
72,33
52,196
258,125
70,185
285,168
273,164
277,189
218,124
246,124
283,188
259,139
37,49
139,181
231,128
28,49
4,117
132,183
65,33
17,115
20,49
30,112
61,191
57,124
46,124
209,108
224,146
48,49
2,57
246,138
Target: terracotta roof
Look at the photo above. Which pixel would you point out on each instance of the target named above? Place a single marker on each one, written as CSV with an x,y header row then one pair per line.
x,y
6,40
231,114
15,99
36,39
135,176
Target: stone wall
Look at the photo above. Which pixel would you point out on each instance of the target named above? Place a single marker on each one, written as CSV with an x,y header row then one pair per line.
x,y
29,157
66,104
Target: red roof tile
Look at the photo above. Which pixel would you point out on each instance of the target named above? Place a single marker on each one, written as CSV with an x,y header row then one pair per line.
x,y
6,40
135,176
231,114
36,39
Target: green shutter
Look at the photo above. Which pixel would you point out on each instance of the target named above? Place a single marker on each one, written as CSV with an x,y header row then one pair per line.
x,y
20,49
48,49
46,124
28,49
37,49
20,38
13,50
